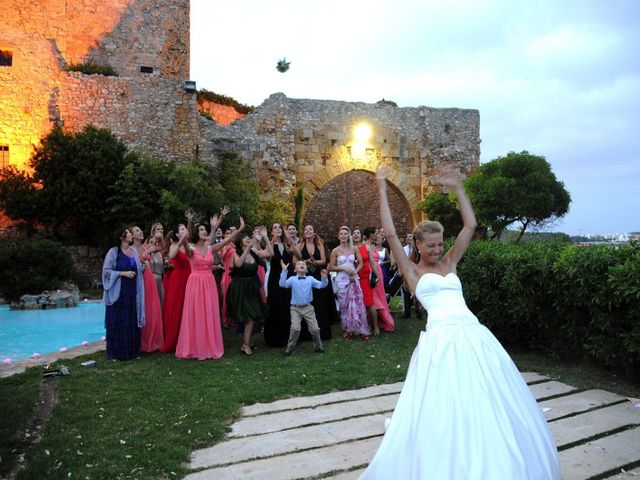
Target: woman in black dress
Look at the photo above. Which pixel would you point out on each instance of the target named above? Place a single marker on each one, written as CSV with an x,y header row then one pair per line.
x,y
243,297
313,252
278,323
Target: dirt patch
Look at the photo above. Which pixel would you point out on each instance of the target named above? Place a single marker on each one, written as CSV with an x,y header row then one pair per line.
x,y
42,412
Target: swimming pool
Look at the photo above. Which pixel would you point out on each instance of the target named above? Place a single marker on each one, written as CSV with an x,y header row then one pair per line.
x,y
25,332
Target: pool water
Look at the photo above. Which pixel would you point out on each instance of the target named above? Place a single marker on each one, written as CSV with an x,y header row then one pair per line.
x,y
25,332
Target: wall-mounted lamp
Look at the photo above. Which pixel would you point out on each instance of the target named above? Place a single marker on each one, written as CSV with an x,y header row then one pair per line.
x,y
190,86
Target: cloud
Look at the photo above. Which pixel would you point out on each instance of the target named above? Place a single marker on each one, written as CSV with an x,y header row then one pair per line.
x,y
560,79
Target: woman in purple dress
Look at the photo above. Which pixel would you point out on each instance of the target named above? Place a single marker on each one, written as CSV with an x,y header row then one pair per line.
x,y
123,297
353,315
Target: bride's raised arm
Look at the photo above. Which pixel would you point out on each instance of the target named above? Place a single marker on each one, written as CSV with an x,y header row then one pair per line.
x,y
406,266
469,223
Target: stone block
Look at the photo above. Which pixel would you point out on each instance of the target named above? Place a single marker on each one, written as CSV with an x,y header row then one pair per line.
x,y
602,455
577,402
548,389
597,422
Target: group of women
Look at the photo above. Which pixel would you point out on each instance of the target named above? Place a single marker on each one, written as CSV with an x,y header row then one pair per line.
x,y
464,410
160,294
181,308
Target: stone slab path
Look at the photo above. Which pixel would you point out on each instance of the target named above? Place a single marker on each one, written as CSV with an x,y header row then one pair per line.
x,y
597,432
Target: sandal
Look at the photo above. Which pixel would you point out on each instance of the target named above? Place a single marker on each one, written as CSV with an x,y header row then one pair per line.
x,y
346,336
246,349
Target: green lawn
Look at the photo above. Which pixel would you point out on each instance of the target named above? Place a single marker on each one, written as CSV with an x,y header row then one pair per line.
x,y
140,419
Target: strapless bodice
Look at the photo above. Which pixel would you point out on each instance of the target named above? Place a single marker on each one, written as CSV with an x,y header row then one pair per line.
x,y
346,259
442,298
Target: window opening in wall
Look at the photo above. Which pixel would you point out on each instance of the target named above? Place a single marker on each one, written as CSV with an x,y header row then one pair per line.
x,y
6,58
146,69
4,156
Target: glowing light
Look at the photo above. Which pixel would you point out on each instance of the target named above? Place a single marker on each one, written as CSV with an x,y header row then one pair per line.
x,y
362,133
360,143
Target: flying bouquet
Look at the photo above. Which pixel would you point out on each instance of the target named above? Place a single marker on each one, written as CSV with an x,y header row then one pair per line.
x,y
283,65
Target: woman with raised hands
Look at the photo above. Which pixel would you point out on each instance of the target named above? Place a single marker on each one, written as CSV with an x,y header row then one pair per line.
x,y
244,301
464,411
200,329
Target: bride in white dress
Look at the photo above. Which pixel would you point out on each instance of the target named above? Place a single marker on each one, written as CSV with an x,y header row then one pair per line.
x,y
464,413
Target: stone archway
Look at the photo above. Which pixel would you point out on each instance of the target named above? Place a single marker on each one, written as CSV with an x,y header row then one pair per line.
x,y
351,199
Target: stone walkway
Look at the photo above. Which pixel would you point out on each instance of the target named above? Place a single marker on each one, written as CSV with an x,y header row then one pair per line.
x,y
597,432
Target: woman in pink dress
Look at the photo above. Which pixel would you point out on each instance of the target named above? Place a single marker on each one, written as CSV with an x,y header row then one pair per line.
x,y
151,336
385,319
176,276
227,257
346,260
200,332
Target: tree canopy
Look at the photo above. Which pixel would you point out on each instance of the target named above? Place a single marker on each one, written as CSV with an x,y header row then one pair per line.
x,y
443,208
91,184
519,187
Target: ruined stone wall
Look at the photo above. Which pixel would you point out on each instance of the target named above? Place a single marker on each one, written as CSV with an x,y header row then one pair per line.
x,y
152,114
45,37
297,142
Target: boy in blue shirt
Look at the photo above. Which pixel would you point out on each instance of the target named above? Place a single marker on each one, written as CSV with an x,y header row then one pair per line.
x,y
301,308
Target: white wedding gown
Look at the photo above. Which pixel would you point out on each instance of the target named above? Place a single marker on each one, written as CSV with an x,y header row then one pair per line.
x,y
464,413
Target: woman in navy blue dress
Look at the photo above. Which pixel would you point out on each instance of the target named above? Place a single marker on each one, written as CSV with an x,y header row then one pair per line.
x,y
124,298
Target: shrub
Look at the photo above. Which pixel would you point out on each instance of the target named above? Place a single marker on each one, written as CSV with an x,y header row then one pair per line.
x,y
203,95
506,286
91,68
32,266
561,299
386,103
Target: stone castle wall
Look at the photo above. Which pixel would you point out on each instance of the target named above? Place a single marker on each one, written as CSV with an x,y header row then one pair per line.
x,y
294,143
165,125
45,37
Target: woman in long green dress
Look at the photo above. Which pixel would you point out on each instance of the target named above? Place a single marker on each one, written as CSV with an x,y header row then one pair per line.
x,y
243,297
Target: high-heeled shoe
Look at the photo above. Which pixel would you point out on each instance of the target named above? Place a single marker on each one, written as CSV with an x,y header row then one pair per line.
x,y
246,349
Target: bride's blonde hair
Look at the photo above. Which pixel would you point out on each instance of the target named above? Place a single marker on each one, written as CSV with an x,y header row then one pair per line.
x,y
427,227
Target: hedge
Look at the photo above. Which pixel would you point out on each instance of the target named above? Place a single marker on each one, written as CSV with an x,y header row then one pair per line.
x,y
33,266
557,298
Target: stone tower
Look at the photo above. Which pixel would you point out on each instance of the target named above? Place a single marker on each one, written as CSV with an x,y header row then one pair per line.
x,y
145,41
